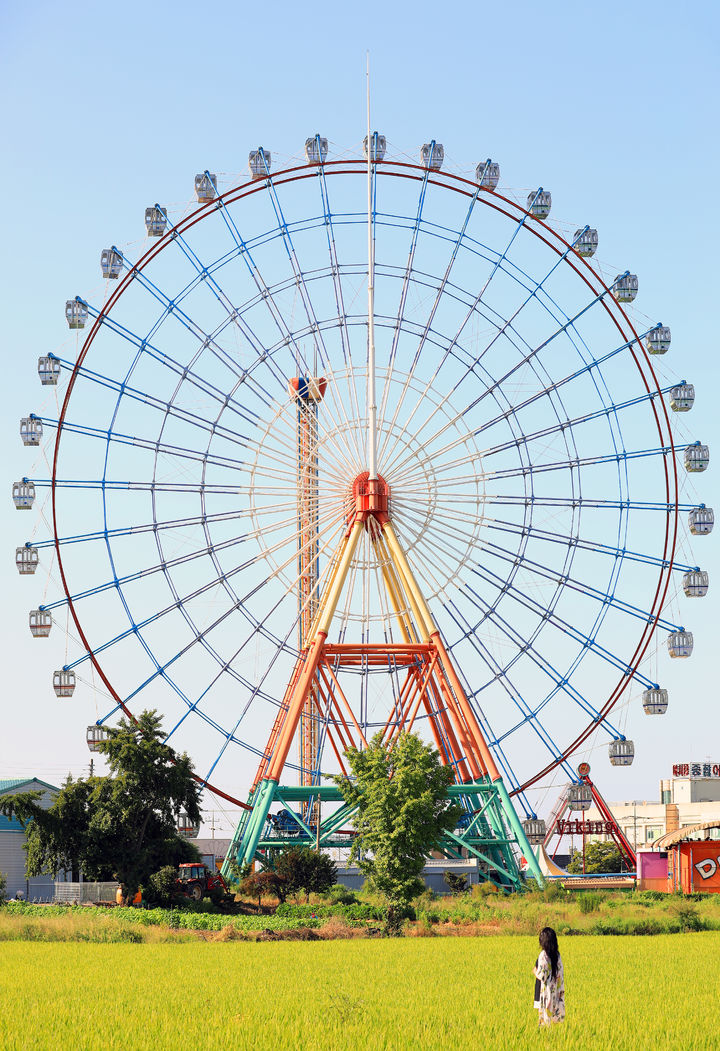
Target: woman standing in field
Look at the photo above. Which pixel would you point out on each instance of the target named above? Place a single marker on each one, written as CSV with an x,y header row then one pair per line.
x,y
548,970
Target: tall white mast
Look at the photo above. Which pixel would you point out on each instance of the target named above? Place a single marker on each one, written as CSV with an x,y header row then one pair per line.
x,y
372,407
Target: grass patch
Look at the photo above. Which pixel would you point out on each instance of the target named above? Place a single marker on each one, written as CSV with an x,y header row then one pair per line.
x,y
383,994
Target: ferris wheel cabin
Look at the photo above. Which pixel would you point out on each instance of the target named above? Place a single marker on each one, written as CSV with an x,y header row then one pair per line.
x,y
625,288
658,341
680,643
155,220
432,156
655,701
487,174
579,797
31,430
535,829
586,243
695,583
111,263
23,494
539,203
379,145
40,622
316,150
206,187
701,520
95,736
697,457
682,397
621,753
48,371
259,163
76,313
64,682
26,559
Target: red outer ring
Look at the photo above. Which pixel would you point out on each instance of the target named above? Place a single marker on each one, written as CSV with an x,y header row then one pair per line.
x,y
555,243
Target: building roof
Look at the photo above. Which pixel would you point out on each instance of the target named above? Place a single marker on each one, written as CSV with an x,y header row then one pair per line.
x,y
681,834
17,782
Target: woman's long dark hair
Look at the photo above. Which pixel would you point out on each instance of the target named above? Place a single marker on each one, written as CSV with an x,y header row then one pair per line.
x,y
548,942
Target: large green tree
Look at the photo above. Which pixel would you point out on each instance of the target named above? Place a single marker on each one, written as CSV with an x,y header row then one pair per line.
x,y
599,857
122,826
400,791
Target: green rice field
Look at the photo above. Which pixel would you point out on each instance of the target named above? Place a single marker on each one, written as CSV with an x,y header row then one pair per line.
x,y
657,992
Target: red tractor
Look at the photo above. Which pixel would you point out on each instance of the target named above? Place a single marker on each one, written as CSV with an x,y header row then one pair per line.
x,y
198,882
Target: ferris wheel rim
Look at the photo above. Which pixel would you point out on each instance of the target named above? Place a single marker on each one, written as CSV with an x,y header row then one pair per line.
x,y
539,229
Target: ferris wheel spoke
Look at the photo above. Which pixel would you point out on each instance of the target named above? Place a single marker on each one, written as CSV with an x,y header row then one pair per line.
x,y
507,324
210,390
560,681
528,716
146,527
337,284
317,332
191,556
587,545
545,614
604,598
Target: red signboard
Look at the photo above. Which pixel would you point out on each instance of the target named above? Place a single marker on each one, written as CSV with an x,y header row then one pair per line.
x,y
705,769
696,867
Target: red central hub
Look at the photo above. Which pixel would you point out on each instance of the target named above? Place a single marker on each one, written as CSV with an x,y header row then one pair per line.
x,y
368,499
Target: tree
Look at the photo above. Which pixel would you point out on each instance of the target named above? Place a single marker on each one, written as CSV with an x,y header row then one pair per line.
x,y
599,857
400,790
304,869
262,883
121,826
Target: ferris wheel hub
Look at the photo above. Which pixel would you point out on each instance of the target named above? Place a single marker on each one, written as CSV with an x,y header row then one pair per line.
x,y
368,498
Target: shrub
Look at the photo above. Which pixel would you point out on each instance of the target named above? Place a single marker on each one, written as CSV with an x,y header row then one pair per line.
x,y
688,917
3,887
341,895
162,885
265,883
553,890
455,881
589,901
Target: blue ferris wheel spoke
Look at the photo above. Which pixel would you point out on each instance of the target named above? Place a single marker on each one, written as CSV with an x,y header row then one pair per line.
x,y
583,461
561,683
604,598
153,402
588,417
181,452
588,642
146,527
589,545
499,675
207,388
509,500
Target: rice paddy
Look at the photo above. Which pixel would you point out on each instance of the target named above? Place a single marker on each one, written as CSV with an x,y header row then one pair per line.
x,y
371,994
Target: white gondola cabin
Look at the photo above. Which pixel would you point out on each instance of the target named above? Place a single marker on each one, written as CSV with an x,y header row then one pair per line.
x,y
48,371
378,146
155,220
658,341
682,397
701,520
64,682
696,583
579,797
621,753
696,457
95,736
539,203
534,829
186,827
625,288
655,701
585,242
316,150
432,156
111,262
680,643
40,622
23,494
487,174
259,162
31,430
26,560
76,313
206,187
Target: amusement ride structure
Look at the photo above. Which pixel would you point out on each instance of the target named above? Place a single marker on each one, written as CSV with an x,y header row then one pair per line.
x,y
364,446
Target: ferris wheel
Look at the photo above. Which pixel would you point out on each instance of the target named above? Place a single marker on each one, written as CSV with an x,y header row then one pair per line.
x,y
373,400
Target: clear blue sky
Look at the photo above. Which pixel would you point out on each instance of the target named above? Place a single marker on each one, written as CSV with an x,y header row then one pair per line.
x,y
112,107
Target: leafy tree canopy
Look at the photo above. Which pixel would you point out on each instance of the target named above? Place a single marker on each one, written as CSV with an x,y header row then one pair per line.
x,y
599,857
122,826
301,868
403,809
